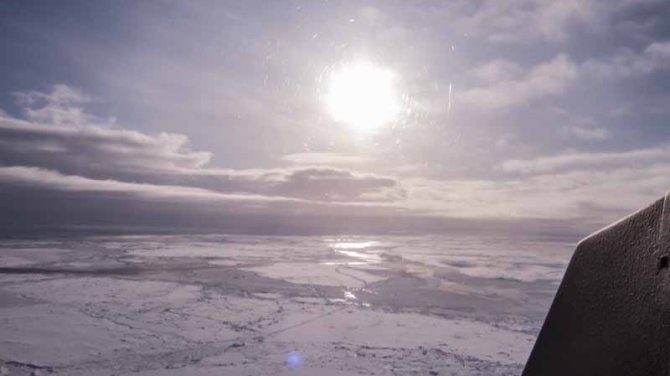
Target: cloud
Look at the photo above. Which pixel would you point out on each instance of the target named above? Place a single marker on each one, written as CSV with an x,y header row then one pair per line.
x,y
82,173
500,84
549,78
528,22
97,152
590,197
496,70
589,161
330,184
71,172
590,133
641,19
33,177
320,183
584,128
524,21
653,58
324,159
59,106
84,147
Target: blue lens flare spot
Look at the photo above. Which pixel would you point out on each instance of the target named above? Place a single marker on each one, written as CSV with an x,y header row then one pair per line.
x,y
294,360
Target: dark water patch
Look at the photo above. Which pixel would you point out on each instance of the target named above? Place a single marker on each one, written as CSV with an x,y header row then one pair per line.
x,y
9,299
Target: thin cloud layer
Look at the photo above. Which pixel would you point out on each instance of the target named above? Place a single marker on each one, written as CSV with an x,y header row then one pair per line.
x,y
639,158
653,58
545,79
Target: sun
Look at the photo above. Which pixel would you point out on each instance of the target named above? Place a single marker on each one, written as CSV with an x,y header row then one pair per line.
x,y
363,96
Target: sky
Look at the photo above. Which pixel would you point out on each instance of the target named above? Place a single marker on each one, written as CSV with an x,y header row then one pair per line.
x,y
517,115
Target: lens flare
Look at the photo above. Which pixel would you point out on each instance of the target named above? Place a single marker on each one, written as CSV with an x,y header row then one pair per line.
x,y
294,360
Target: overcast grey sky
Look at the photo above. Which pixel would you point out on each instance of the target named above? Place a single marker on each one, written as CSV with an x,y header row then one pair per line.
x,y
552,115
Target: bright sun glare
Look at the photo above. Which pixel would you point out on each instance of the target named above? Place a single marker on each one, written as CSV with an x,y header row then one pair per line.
x,y
363,96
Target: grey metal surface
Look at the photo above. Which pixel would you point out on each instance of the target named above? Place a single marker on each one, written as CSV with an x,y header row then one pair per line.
x,y
611,314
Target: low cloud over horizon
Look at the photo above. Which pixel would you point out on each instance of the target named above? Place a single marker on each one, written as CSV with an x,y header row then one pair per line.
x,y
216,121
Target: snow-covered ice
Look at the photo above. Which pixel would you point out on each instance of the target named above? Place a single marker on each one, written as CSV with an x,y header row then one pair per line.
x,y
251,305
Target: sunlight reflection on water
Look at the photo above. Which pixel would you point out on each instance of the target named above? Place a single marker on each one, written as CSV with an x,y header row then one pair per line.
x,y
359,250
354,245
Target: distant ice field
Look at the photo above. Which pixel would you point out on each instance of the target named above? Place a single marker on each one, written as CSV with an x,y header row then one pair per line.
x,y
249,305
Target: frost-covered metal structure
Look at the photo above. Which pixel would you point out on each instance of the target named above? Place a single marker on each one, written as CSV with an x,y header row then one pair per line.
x,y
611,315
